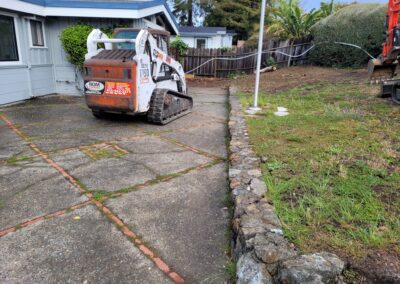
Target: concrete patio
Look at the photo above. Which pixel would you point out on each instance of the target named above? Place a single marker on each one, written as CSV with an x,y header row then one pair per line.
x,y
113,200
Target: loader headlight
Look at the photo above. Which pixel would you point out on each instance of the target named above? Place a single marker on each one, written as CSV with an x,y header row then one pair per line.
x,y
127,73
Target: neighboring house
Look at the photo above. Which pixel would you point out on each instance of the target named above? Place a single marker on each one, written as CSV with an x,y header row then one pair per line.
x,y
207,37
32,61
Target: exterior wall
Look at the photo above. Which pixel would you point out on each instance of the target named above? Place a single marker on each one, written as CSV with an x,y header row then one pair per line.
x,y
68,80
189,41
46,70
217,41
14,84
33,75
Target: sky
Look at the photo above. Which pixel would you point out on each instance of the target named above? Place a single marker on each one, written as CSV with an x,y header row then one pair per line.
x,y
310,4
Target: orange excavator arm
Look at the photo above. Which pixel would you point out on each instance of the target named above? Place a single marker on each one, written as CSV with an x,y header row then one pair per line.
x,y
385,65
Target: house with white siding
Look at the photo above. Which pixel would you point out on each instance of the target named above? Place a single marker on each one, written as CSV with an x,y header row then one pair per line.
x,y
207,37
32,61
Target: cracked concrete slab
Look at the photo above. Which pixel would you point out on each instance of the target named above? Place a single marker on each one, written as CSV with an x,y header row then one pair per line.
x,y
11,145
213,111
210,138
183,219
62,141
149,145
65,250
170,162
160,156
112,174
30,190
71,159
209,95
45,113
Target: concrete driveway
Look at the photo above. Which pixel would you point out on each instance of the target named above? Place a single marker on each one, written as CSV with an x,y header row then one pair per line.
x,y
117,200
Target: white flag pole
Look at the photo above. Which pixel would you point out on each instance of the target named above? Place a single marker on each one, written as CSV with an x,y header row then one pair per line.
x,y
259,57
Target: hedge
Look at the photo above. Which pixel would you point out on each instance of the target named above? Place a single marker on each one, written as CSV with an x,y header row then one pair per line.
x,y
73,40
360,24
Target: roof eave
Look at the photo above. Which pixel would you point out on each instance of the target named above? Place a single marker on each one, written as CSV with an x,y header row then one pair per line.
x,y
118,12
183,34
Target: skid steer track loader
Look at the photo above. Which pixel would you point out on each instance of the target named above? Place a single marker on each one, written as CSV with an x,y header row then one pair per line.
x,y
131,73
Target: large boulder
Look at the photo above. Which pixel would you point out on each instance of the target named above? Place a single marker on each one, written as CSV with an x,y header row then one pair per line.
x,y
250,271
312,268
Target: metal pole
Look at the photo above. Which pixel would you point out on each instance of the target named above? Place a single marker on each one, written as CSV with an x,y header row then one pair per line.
x,y
259,55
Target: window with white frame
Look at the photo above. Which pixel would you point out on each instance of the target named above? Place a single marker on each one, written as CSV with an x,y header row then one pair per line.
x,y
37,35
8,42
201,43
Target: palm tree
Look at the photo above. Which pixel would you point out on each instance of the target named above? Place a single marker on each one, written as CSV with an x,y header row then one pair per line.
x,y
327,8
290,21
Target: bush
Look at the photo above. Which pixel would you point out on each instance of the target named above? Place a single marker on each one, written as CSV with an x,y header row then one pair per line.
x,y
179,45
360,24
73,40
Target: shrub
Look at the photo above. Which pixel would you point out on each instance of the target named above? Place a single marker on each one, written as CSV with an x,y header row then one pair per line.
x,y
179,45
73,40
360,24
270,61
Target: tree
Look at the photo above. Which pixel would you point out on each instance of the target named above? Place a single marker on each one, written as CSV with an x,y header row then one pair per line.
x,y
239,15
327,9
189,12
290,21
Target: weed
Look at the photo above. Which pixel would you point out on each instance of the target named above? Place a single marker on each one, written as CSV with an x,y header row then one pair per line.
x,y
17,159
351,277
100,195
231,269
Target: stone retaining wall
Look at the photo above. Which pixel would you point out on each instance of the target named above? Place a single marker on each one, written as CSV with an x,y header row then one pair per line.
x,y
262,253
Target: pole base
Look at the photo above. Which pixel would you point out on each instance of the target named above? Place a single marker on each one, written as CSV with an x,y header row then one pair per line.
x,y
253,110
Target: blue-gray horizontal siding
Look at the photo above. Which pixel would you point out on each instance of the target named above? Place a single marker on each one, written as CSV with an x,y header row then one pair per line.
x,y
42,80
14,84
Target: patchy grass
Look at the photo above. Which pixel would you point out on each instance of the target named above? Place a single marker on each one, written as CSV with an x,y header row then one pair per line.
x,y
231,269
333,168
100,195
15,159
101,151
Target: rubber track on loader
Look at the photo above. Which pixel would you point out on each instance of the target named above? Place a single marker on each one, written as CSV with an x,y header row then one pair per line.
x,y
167,105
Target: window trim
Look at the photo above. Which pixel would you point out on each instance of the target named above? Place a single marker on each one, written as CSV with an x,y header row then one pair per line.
x,y
205,41
16,29
30,34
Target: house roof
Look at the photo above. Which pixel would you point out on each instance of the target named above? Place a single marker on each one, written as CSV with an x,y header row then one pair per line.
x,y
188,31
101,4
128,9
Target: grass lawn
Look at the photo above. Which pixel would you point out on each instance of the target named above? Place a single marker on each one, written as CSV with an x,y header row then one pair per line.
x,y
333,167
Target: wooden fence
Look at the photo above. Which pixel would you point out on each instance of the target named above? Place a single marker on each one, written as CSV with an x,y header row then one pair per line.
x,y
242,60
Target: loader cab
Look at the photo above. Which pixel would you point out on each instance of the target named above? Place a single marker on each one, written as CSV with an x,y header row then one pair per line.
x,y
125,33
162,38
